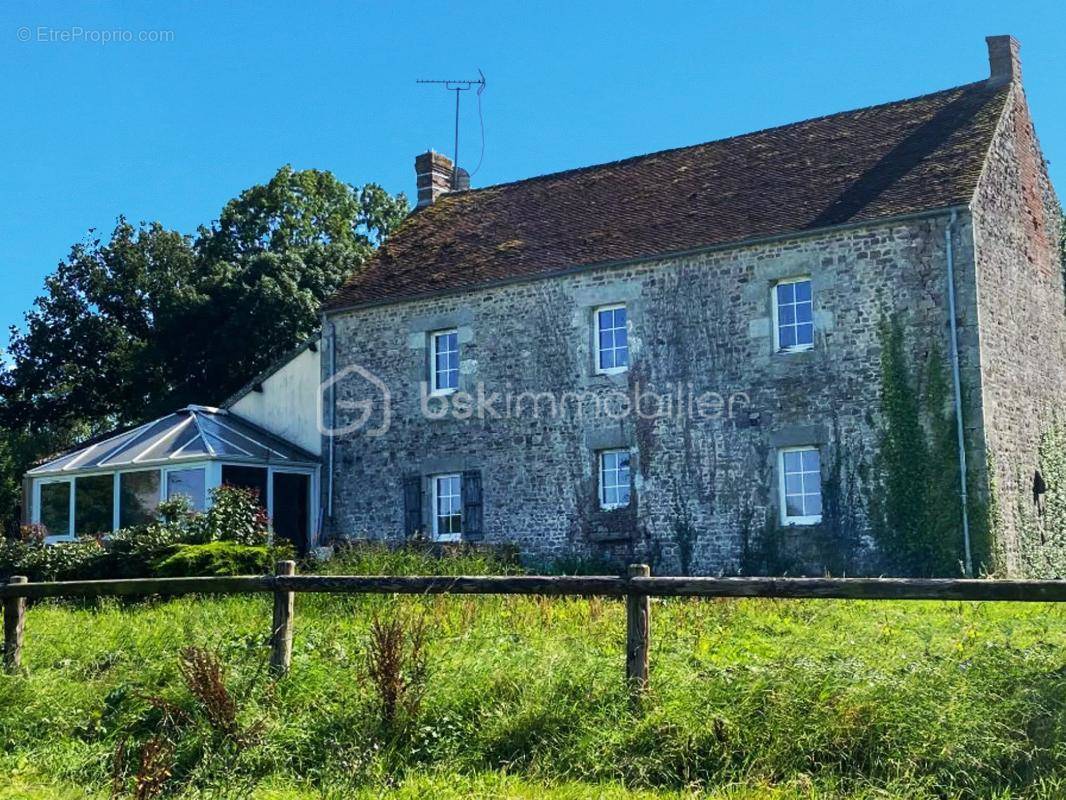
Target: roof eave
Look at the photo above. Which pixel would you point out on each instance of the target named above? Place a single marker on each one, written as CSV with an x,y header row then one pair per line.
x,y
327,311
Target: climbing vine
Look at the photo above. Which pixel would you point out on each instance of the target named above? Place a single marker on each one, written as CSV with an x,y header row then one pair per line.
x,y
915,506
1041,542
843,515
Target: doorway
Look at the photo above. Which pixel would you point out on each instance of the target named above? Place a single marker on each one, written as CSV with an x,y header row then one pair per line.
x,y
292,492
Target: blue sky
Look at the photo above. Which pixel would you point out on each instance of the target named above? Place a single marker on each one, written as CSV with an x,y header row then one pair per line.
x,y
169,130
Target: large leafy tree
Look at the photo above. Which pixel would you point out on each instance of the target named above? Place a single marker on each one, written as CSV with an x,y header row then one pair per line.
x,y
151,319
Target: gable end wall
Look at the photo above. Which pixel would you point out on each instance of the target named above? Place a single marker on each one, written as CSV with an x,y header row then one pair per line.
x,y
1023,332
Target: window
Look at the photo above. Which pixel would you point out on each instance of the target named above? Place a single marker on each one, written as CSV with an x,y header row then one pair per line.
x,y
612,339
55,508
447,507
444,368
614,478
94,504
188,482
801,486
138,497
793,311
252,478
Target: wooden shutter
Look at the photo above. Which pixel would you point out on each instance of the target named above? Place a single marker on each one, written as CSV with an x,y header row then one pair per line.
x,y
472,506
412,505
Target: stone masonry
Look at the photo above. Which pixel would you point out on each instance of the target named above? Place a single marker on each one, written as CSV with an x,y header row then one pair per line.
x,y
1017,222
705,496
704,486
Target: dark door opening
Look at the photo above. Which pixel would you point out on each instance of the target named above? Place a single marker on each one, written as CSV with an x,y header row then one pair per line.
x,y
253,478
291,506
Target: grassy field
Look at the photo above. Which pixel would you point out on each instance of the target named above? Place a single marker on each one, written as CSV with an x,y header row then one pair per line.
x,y
524,698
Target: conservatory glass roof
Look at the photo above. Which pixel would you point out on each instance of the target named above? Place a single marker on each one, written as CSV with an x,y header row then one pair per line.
x,y
195,433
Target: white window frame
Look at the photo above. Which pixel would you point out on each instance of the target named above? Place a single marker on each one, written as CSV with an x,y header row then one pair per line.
x,y
797,348
600,466
212,480
35,517
434,338
596,351
786,518
268,501
434,490
118,490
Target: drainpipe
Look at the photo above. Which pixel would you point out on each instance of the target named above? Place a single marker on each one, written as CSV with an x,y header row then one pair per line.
x,y
331,329
950,248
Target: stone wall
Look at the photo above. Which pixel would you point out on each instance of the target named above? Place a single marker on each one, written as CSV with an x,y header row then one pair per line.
x,y
1023,335
705,485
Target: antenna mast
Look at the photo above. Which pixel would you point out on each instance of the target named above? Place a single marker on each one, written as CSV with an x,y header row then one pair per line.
x,y
458,86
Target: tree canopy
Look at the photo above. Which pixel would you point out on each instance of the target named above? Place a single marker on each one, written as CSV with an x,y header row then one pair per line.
x,y
149,319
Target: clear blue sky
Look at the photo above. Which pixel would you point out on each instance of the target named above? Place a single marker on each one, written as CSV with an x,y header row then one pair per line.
x,y
170,130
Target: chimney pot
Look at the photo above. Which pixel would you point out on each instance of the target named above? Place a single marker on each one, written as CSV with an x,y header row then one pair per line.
x,y
1004,60
433,173
462,180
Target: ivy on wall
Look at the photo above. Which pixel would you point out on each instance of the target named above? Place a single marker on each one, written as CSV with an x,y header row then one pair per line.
x,y
1041,542
915,506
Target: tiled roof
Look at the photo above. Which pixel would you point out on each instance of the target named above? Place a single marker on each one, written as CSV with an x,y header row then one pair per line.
x,y
883,161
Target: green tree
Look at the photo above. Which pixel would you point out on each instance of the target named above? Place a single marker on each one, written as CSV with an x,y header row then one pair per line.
x,y
152,319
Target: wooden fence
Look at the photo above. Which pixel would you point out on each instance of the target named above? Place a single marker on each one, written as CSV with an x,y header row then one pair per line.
x,y
637,588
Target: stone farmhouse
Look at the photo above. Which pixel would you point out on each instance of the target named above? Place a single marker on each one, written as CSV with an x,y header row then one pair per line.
x,y
799,350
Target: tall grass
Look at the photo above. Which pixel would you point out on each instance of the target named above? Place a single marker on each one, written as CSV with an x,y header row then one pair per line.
x,y
524,697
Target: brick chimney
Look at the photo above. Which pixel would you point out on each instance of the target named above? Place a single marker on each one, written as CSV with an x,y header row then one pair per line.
x,y
1004,61
434,177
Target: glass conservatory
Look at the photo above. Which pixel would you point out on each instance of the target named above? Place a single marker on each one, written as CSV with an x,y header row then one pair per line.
x,y
118,481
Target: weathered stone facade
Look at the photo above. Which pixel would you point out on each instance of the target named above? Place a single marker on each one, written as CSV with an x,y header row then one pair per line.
x,y
705,496
1017,222
705,463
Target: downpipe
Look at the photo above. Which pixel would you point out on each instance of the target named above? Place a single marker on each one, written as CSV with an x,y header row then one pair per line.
x,y
949,246
332,334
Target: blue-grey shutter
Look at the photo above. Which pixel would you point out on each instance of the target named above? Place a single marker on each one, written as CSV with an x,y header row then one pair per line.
x,y
472,506
412,505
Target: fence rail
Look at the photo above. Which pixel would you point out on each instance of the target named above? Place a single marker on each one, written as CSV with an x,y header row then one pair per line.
x,y
637,587
603,585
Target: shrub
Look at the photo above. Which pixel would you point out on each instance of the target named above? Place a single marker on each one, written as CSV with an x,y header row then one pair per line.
x,y
234,521
80,559
234,516
220,558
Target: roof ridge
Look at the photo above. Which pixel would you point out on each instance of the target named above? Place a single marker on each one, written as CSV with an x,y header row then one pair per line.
x,y
443,199
879,161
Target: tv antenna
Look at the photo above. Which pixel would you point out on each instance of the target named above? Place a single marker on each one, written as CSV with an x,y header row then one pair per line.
x,y
459,86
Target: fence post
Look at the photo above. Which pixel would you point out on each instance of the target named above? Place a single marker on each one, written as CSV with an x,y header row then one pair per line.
x,y
638,635
281,633
14,627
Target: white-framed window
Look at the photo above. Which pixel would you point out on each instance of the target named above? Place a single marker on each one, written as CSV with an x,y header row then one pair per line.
x,y
54,503
139,494
192,483
793,312
447,493
800,471
444,361
614,478
612,339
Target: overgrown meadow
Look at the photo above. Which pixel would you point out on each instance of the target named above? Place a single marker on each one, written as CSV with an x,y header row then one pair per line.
x,y
524,697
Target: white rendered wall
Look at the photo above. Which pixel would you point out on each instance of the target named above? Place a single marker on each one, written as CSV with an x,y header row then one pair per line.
x,y
288,404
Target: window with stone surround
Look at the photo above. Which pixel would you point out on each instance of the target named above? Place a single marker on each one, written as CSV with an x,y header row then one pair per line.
x,y
447,507
614,478
444,361
800,474
793,311
612,339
